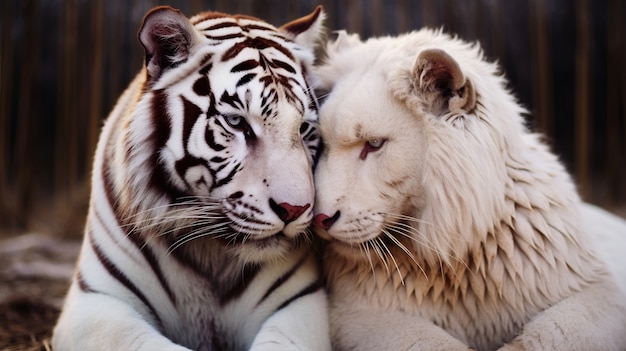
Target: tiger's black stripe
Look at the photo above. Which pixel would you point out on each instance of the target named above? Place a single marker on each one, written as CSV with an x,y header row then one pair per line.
x,y
250,27
119,275
311,288
210,139
250,271
206,64
159,179
224,37
220,25
202,86
191,114
282,279
232,100
109,232
313,102
282,64
245,79
135,238
153,261
245,66
108,187
82,284
229,177
257,43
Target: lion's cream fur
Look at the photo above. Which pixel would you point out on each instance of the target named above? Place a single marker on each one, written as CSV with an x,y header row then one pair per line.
x,y
463,229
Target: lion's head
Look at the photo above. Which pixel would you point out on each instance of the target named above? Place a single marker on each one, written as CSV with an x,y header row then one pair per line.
x,y
419,135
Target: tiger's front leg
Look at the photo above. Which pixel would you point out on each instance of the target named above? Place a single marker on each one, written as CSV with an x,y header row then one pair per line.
x,y
298,310
95,321
299,326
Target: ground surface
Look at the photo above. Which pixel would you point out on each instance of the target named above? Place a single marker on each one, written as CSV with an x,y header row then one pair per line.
x,y
34,276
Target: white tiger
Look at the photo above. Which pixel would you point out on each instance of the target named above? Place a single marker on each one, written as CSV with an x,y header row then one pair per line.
x,y
202,192
450,225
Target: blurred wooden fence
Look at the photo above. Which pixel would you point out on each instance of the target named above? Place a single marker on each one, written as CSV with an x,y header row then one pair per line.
x,y
63,63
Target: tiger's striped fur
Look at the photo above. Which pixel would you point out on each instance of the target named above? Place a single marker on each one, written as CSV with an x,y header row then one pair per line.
x,y
202,193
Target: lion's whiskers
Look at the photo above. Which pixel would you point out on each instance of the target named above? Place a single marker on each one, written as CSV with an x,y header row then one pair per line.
x,y
414,234
376,247
404,249
384,246
405,230
369,257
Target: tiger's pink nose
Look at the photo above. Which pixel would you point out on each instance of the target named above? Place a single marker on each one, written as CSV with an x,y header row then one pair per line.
x,y
324,221
286,211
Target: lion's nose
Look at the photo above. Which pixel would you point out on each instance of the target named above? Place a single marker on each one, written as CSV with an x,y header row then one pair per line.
x,y
324,221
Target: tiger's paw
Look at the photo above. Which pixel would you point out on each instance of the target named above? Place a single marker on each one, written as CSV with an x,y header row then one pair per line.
x,y
277,341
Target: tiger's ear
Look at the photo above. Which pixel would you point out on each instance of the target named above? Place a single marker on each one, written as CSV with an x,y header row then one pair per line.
x,y
307,30
167,37
440,81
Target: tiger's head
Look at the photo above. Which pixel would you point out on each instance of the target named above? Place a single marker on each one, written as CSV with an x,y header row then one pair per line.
x,y
417,132
222,137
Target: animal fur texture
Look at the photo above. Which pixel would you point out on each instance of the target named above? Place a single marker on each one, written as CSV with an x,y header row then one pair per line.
x,y
450,225
202,193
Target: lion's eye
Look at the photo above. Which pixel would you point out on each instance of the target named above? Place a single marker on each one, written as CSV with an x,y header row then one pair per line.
x,y
375,144
371,146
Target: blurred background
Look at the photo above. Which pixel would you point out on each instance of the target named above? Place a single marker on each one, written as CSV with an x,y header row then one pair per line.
x,y
63,64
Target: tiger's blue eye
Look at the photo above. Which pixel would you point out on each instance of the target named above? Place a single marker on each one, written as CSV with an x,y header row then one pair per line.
x,y
240,124
235,121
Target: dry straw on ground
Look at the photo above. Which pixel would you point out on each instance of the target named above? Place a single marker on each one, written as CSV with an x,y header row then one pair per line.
x,y
34,276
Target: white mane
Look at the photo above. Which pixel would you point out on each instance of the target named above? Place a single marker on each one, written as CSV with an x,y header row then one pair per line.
x,y
463,216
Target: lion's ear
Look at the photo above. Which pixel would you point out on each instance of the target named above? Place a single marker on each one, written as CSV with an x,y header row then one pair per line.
x,y
343,41
439,79
337,58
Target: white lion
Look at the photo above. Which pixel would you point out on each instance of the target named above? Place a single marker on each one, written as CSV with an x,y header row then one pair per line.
x,y
450,225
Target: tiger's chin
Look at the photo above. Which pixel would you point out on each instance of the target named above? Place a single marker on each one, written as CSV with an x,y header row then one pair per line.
x,y
251,249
